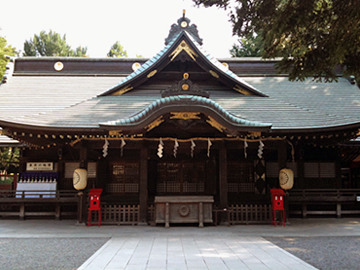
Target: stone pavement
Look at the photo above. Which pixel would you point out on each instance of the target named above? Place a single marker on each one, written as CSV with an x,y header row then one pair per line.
x,y
154,247
192,252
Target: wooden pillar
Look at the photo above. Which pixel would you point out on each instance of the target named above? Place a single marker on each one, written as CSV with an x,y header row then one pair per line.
x,y
82,209
83,155
338,183
143,185
22,211
223,180
282,154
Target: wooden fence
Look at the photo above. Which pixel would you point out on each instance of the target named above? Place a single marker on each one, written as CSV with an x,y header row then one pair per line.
x,y
324,202
118,214
250,213
40,203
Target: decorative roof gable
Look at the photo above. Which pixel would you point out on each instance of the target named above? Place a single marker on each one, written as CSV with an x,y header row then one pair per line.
x,y
183,44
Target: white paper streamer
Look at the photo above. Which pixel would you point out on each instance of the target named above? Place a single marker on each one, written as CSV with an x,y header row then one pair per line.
x,y
245,146
209,145
176,145
123,143
192,148
260,150
160,149
105,148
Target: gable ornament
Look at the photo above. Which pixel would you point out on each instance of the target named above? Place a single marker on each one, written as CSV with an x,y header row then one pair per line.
x,y
183,46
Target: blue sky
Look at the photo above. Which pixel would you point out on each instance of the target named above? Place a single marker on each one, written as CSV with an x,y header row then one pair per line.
x,y
140,25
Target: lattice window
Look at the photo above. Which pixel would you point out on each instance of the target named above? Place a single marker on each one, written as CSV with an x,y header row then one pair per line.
x,y
241,177
181,177
319,170
124,178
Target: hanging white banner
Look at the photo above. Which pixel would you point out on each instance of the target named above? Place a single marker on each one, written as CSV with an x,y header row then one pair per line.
x,y
260,150
160,149
123,143
176,145
105,148
209,145
245,146
192,148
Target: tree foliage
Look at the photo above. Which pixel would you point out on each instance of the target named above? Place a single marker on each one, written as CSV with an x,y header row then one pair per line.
x,y
313,36
9,159
117,50
251,46
5,49
51,44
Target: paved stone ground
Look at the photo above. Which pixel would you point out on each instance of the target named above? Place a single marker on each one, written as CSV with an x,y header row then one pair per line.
x,y
47,253
33,244
326,253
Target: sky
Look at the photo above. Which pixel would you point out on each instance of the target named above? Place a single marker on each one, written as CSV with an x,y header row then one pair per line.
x,y
141,26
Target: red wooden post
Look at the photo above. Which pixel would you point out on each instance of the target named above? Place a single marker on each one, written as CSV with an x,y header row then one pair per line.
x,y
277,199
94,205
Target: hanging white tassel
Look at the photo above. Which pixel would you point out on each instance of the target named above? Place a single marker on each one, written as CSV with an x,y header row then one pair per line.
x,y
160,149
192,148
123,143
105,148
260,150
176,145
245,146
209,145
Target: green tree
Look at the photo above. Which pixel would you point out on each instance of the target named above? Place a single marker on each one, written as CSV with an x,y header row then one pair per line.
x,y
79,52
117,50
313,36
5,49
249,47
51,44
9,159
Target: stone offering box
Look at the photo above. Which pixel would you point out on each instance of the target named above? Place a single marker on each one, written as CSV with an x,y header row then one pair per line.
x,y
183,209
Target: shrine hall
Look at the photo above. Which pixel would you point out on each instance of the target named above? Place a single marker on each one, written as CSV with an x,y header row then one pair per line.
x,y
182,137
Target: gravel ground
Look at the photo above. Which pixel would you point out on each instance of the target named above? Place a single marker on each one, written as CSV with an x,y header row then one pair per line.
x,y
47,253
326,253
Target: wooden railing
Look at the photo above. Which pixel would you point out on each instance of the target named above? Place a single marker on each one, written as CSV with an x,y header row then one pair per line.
x,y
37,203
250,213
118,214
325,201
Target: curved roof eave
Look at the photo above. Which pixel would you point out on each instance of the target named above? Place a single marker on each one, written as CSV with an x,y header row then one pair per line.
x,y
175,103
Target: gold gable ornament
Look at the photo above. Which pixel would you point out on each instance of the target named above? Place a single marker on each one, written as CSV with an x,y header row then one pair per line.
x,y
115,132
214,74
152,73
183,46
215,124
242,90
154,124
185,115
123,90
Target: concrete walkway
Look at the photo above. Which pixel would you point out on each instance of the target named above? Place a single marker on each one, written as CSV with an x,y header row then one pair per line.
x,y
154,247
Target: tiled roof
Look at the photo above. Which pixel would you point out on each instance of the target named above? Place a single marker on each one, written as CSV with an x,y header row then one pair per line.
x,y
289,105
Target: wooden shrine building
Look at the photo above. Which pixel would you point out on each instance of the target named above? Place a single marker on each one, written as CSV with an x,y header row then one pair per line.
x,y
184,123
